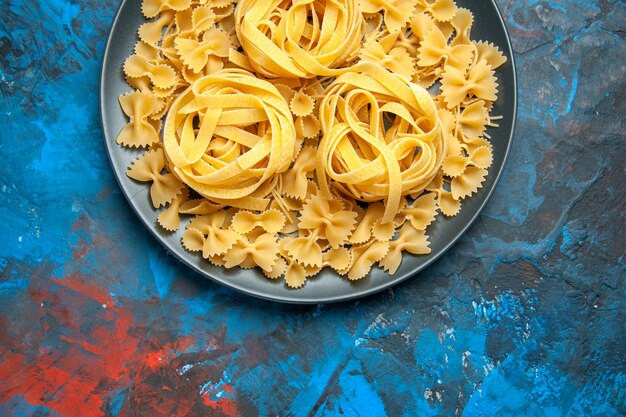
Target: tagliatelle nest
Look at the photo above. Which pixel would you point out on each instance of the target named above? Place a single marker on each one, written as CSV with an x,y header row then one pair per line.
x,y
298,136
299,38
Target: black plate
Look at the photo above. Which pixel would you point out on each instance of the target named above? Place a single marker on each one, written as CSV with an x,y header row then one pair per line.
x,y
327,286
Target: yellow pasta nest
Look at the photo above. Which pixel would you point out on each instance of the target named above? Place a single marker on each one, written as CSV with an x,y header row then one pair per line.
x,y
227,135
382,137
299,38
293,136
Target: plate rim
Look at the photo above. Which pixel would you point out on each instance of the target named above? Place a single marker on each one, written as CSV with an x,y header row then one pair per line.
x,y
242,289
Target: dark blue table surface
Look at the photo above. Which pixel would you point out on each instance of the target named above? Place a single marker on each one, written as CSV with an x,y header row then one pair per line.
x,y
523,317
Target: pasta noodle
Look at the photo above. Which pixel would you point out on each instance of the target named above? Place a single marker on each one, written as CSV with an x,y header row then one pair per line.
x,y
161,75
384,52
479,81
365,256
169,219
272,221
410,240
422,212
206,53
208,230
295,181
299,39
148,168
139,132
245,135
261,251
442,10
396,12
293,136
351,151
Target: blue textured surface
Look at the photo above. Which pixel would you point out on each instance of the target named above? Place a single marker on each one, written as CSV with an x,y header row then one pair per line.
x,y
523,317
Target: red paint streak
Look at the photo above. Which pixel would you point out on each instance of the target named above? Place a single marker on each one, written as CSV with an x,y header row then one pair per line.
x,y
81,223
11,361
66,374
168,352
85,345
226,406
80,252
154,359
103,194
84,286
73,353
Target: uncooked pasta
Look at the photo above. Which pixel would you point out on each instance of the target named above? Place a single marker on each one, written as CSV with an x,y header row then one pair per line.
x,y
292,136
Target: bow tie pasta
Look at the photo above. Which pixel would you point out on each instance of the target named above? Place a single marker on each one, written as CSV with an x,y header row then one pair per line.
x,y
296,135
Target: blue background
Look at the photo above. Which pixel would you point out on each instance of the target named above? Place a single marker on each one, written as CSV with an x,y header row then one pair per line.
x,y
523,317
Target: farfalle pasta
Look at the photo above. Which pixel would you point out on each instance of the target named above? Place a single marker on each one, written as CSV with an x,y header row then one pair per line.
x,y
272,221
410,240
208,234
442,10
396,12
384,52
149,168
161,75
295,182
297,136
248,252
205,53
140,130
